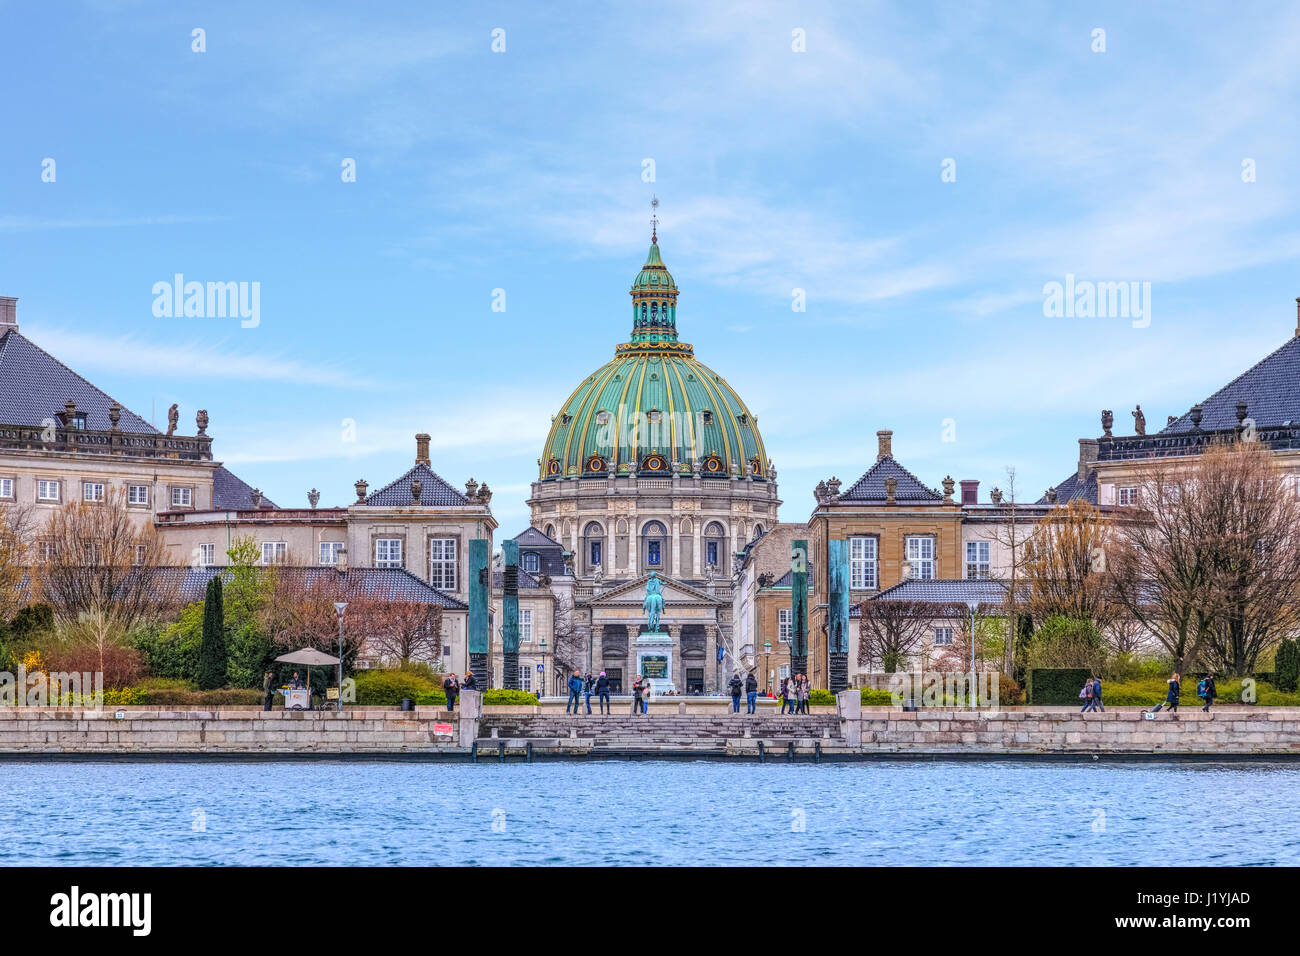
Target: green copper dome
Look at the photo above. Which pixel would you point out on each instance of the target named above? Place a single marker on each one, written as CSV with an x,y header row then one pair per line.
x,y
653,409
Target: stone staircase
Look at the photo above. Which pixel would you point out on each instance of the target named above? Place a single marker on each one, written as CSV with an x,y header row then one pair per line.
x,y
684,731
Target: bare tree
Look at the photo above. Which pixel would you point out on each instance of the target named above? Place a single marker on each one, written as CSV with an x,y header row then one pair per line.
x,y
889,631
1013,536
17,532
1064,565
98,558
402,630
569,643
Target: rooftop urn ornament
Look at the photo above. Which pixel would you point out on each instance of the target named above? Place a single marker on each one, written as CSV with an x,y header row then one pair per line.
x,y
1107,422
771,470
1170,420
820,493
833,487
173,416
471,489
697,467
1197,414
201,419
69,412
1139,421
256,495
891,486
996,495
948,485
654,602
1050,495
417,486
361,487
313,498
115,414
484,494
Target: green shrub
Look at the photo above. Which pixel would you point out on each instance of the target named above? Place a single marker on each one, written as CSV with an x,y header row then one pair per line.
x,y
1286,666
1056,685
173,652
385,687
819,695
1067,643
876,698
499,695
213,656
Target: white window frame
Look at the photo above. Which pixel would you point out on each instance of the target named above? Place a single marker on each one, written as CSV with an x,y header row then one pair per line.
x,y
388,552
526,675
784,624
442,563
207,555
864,563
1126,496
525,625
92,491
43,484
279,552
922,563
981,560
137,495
328,552
943,636
532,562
7,488
182,497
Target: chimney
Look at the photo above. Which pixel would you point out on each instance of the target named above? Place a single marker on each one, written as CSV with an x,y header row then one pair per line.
x,y
422,450
342,564
970,491
9,314
1087,455
884,439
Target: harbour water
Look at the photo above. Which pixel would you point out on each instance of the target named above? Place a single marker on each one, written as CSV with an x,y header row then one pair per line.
x,y
351,812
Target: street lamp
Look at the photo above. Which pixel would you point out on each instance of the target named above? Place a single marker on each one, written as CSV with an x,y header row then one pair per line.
x,y
767,664
973,605
340,606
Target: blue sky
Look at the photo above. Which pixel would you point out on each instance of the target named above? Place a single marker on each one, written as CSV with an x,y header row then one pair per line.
x,y
776,170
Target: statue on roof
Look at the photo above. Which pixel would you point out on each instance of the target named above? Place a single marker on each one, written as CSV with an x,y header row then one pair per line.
x,y
173,416
1139,421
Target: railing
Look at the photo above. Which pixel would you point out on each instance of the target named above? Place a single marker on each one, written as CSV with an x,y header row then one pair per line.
x,y
1277,437
138,444
712,484
654,484
593,484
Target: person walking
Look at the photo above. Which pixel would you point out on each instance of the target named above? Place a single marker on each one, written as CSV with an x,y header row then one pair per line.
x,y
1096,695
602,693
452,689
785,694
1171,698
751,693
1207,691
268,691
588,688
1086,696
735,686
575,689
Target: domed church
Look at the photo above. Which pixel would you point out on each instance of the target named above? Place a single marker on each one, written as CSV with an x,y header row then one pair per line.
x,y
654,463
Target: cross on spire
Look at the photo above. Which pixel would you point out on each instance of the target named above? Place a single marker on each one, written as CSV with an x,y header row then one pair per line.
x,y
654,219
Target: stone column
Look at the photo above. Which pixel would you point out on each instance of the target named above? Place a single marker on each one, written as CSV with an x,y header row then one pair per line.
x,y
848,704
510,615
479,641
837,615
799,608
471,711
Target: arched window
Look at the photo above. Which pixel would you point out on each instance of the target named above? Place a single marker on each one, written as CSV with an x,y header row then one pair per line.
x,y
715,546
643,312
654,313
654,550
593,547
550,531
532,562
758,531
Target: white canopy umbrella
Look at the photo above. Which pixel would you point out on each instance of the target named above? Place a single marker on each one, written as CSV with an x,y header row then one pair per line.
x,y
310,657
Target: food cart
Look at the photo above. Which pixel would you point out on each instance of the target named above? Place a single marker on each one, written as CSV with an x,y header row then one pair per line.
x,y
299,698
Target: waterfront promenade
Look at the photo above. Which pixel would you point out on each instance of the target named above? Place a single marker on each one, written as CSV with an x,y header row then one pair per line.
x,y
848,731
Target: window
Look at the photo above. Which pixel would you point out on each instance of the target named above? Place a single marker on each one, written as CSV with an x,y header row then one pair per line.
x,y
329,552
525,675
140,553
274,552
595,554
652,553
783,672
47,490
784,624
442,563
208,555
6,487
862,563
920,552
1128,496
532,562
942,636
706,416
977,559
388,552
602,418
45,550
182,497
525,625
92,491
713,553
137,494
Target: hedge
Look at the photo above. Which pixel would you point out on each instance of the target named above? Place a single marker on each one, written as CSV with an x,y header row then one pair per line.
x,y
1056,685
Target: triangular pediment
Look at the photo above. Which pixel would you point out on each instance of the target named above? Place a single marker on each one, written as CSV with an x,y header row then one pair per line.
x,y
675,594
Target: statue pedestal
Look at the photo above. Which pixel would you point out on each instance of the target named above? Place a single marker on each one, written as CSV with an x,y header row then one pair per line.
x,y
654,660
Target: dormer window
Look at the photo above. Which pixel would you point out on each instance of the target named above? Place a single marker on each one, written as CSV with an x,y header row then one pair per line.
x,y
706,416
602,418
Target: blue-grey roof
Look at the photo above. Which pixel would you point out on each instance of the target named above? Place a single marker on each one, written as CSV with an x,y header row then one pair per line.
x,y
189,584
871,486
532,538
1270,389
34,386
946,591
526,580
787,580
434,492
232,493
1073,488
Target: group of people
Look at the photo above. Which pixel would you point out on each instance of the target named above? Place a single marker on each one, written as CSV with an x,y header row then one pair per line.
x,y
795,692
1206,690
750,686
584,685
452,686
1091,696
